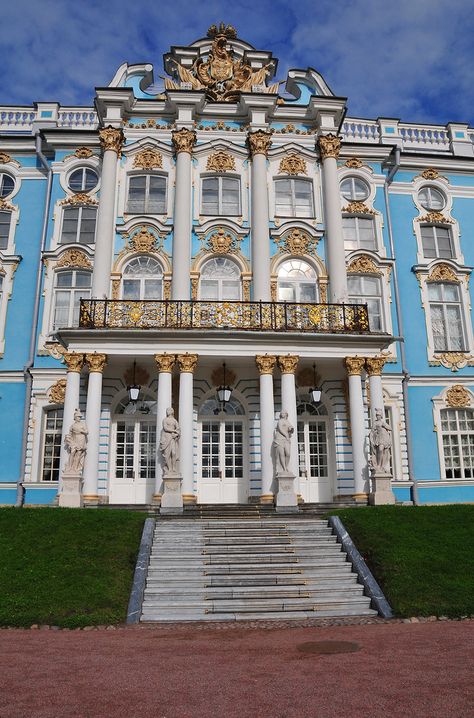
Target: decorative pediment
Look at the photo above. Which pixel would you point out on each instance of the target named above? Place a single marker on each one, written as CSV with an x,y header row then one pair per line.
x,y
435,218
57,392
297,242
222,243
443,273
79,198
363,265
148,159
358,208
458,396
293,164
220,162
74,258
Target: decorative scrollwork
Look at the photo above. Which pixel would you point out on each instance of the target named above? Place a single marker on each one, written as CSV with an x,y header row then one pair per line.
x,y
148,160
435,218
222,243
430,173
443,273
453,360
363,265
265,363
74,258
354,163
458,396
293,164
112,138
329,146
78,199
356,207
4,158
220,162
144,241
4,204
184,140
297,242
83,153
57,392
259,142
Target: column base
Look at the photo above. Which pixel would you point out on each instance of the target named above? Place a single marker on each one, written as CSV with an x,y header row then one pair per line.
x,y
267,499
286,497
189,499
91,499
156,499
360,498
172,500
381,493
70,496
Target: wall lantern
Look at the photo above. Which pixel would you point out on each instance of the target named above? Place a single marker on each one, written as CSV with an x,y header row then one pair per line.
x,y
134,388
314,393
224,392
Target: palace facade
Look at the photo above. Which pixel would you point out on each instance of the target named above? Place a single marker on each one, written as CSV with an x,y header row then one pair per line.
x,y
231,246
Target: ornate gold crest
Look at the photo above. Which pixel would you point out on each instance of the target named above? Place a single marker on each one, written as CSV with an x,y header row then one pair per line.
x,y
79,198
453,360
220,162
83,153
57,392
357,208
435,218
148,160
297,242
293,164
222,243
442,273
354,163
74,258
458,396
363,265
430,173
143,241
329,146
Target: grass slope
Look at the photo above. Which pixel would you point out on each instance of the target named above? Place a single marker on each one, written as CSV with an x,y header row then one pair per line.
x,y
422,556
66,567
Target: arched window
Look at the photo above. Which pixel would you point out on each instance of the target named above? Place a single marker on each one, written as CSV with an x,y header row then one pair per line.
x,y
457,432
79,225
70,287
5,221
143,279
221,196
53,426
294,198
296,282
446,314
220,280
146,194
366,289
211,407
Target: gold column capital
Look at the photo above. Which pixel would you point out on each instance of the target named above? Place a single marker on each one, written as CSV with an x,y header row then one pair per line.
x,y
265,363
374,365
111,138
165,362
74,362
329,146
183,140
354,365
259,142
96,362
187,362
288,363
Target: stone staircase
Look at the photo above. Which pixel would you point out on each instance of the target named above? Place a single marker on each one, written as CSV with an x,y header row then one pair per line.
x,y
240,568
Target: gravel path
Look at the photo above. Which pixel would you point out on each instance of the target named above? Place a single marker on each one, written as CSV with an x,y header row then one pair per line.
x,y
387,670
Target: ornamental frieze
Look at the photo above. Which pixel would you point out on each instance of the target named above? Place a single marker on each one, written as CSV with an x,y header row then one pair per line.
x,y
363,265
78,199
74,258
293,164
358,208
57,392
297,242
443,273
111,139
259,142
222,243
220,162
148,160
458,396
329,146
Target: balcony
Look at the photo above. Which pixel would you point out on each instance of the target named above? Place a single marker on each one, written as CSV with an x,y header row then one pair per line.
x,y
212,315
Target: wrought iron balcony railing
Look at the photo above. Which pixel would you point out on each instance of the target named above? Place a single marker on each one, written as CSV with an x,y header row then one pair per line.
x,y
244,316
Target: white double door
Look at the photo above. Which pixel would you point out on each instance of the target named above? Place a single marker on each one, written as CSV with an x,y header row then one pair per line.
x,y
315,460
223,461
133,470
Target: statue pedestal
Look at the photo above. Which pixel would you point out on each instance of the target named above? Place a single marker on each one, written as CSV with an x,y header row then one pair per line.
x,y
286,498
172,499
381,490
70,496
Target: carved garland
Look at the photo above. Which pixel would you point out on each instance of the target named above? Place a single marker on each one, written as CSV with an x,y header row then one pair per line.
x,y
148,160
79,198
458,396
74,258
297,242
293,164
358,208
435,218
220,162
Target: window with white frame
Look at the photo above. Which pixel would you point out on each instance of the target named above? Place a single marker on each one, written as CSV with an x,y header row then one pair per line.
x,y
7,184
457,433
142,279
220,196
446,315
431,198
313,448
5,222
296,282
436,242
83,180
146,194
220,280
53,425
70,287
366,289
354,189
294,198
79,225
358,233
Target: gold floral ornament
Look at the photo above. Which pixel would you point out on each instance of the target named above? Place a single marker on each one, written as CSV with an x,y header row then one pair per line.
x,y
74,258
4,158
265,363
57,392
458,396
329,146
259,142
293,164
363,265
83,153
78,199
354,365
148,160
356,207
453,360
443,273
184,140
144,241
430,173
112,138
55,350
375,365
287,364
220,162
187,362
74,362
435,218
96,362
354,163
4,204
165,362
221,76
222,243
297,242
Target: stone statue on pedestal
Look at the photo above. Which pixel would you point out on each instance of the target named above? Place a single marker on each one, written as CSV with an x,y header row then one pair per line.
x,y
380,439
169,444
76,444
282,444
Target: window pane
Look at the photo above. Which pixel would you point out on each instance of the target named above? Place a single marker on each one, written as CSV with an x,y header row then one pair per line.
x,y
210,196
5,218
83,180
7,185
87,227
283,198
443,236
286,292
303,193
431,198
428,242
61,309
366,233
157,196
455,329
230,196
83,279
152,289
230,290
131,289
70,224
209,289
136,194
64,279
354,188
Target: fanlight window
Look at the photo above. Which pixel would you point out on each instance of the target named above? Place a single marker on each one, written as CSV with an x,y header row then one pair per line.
x,y
143,279
145,404
296,282
211,407
5,220
310,409
354,189
220,280
147,194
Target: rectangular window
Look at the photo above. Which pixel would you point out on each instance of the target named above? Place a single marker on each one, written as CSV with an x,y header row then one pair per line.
x,y
221,196
5,219
436,242
294,198
52,445
79,225
366,290
457,430
446,317
146,194
70,288
358,233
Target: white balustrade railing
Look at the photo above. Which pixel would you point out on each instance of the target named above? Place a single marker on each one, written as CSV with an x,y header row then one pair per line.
x,y
361,131
424,136
19,118
77,118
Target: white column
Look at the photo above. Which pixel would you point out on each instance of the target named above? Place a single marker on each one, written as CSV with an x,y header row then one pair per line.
x,y
259,144
187,364
96,363
354,366
183,141
74,363
374,366
329,146
111,141
287,365
265,365
165,363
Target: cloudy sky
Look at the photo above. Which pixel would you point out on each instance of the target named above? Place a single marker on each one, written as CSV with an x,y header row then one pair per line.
x,y
412,59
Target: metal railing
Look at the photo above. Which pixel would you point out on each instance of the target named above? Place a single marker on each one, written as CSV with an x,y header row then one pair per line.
x,y
243,316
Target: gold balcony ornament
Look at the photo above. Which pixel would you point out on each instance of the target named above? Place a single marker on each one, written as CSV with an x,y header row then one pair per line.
x,y
363,265
287,364
453,360
74,362
354,163
184,140
458,397
297,242
222,243
443,273
293,164
80,198
96,362
329,146
74,258
220,162
148,160
112,138
435,218
83,153
165,362
57,392
259,142
187,362
356,207
375,365
354,365
265,363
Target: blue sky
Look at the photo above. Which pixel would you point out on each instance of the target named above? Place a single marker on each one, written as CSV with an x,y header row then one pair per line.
x,y
412,59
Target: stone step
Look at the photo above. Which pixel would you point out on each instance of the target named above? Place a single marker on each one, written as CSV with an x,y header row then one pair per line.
x,y
249,564
186,616
328,579
254,592
255,605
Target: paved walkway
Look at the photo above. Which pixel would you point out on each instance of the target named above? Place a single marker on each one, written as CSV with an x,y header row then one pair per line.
x,y
393,671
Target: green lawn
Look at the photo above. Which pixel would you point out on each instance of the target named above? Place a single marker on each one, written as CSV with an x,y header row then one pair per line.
x,y
66,567
422,556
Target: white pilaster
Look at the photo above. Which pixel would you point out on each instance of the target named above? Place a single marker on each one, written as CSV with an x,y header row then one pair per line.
x,y
329,146
74,363
265,365
96,363
111,141
165,363
187,364
354,366
287,365
259,144
183,141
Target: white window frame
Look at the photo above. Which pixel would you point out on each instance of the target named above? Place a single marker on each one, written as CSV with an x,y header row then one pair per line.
x,y
76,241
444,304
293,214
439,403
83,168
440,184
290,258
220,178
220,279
380,297
46,410
435,228
382,270
359,247
142,278
146,173
7,271
55,289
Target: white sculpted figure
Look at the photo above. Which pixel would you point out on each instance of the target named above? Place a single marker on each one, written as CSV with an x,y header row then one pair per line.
x,y
169,443
76,444
380,439
282,443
